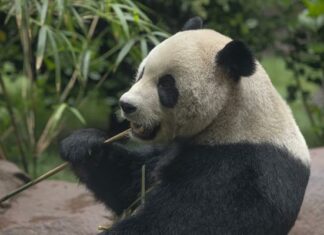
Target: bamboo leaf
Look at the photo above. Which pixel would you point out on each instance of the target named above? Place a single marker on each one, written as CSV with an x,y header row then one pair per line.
x,y
60,9
153,39
136,16
57,117
133,7
44,11
57,61
18,12
41,46
161,34
85,64
107,54
38,6
68,43
10,14
124,51
51,128
79,20
121,18
78,115
144,48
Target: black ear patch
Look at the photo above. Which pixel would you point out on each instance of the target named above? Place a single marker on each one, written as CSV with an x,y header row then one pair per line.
x,y
193,23
236,59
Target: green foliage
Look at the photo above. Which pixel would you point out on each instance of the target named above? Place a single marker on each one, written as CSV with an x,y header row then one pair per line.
x,y
58,53
305,58
315,8
282,78
259,23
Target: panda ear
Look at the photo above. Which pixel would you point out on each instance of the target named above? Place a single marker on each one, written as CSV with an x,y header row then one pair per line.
x,y
193,23
236,59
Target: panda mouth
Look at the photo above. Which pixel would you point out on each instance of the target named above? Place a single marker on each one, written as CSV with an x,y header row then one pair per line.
x,y
143,132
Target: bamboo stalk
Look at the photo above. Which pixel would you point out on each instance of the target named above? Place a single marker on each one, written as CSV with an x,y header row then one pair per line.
x,y
117,137
23,156
74,77
56,170
33,182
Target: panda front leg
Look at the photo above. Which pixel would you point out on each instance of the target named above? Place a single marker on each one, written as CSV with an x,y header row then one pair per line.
x,y
111,171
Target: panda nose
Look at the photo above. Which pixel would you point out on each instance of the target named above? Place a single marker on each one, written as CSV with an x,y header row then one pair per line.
x,y
127,107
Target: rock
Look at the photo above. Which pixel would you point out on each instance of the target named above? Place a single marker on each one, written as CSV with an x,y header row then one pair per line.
x,y
54,208
311,217
11,177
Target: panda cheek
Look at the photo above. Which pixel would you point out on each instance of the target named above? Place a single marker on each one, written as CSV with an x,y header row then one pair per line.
x,y
168,96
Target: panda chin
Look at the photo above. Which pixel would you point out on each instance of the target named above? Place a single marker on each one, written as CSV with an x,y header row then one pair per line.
x,y
144,133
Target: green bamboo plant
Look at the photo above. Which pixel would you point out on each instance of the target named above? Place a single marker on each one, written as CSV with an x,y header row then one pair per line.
x,y
60,50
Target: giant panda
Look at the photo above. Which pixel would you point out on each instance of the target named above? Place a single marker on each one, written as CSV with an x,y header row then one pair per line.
x,y
221,149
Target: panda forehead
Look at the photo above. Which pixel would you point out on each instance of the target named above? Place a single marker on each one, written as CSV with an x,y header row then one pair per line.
x,y
181,51
156,66
169,56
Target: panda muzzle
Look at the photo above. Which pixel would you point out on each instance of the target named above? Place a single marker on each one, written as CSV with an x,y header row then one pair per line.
x,y
145,133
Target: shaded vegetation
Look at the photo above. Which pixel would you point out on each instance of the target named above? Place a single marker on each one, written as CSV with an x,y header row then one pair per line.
x,y
63,64
59,53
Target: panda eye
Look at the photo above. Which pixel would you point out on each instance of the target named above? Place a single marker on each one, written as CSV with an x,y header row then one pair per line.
x,y
167,81
167,90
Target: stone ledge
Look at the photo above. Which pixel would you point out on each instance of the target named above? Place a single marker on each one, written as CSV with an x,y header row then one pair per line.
x,y
311,217
54,208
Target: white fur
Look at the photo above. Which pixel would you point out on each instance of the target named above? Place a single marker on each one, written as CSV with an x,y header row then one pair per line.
x,y
212,108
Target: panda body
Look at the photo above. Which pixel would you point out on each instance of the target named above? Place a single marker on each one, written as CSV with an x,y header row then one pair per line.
x,y
225,155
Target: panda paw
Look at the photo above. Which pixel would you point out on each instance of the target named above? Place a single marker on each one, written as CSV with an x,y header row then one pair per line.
x,y
82,146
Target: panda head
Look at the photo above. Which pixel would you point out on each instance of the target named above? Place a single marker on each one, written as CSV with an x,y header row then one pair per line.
x,y
184,83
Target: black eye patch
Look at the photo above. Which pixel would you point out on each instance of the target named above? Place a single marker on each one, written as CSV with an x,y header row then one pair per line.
x,y
167,90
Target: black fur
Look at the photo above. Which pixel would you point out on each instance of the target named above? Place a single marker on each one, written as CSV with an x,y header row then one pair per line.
x,y
236,59
193,23
226,189
110,171
168,92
